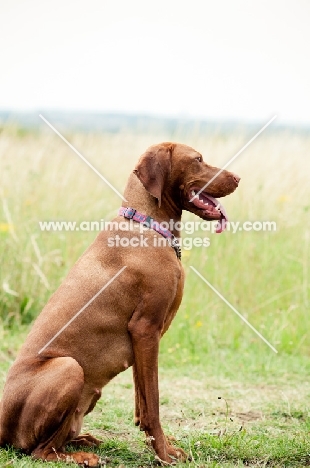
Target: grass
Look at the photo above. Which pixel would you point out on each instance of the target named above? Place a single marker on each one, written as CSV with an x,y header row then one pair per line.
x,y
262,417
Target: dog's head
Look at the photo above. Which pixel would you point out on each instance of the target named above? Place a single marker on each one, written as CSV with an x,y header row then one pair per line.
x,y
178,173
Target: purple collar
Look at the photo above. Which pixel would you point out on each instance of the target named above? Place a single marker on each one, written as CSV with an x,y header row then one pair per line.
x,y
131,213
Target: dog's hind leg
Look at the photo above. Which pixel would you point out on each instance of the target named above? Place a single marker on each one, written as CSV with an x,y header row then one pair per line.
x,y
69,385
48,416
85,440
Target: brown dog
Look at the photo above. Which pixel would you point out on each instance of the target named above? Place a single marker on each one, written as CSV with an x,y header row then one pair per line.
x,y
68,357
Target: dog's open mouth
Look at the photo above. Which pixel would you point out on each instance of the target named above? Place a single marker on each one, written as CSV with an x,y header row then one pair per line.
x,y
212,208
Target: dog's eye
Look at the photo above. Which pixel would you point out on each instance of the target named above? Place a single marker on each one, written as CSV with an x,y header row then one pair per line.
x,y
199,159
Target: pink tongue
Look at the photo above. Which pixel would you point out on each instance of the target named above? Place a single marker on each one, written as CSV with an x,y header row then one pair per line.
x,y
221,224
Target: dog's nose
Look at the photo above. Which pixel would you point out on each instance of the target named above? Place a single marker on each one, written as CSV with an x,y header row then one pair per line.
x,y
236,178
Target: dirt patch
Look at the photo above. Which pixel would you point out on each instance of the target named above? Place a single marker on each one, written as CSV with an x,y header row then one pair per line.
x,y
210,404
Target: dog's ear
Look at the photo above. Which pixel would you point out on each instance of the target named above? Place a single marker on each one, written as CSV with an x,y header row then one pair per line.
x,y
154,169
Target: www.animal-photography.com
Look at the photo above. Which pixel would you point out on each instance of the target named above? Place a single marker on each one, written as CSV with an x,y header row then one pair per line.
x,y
154,234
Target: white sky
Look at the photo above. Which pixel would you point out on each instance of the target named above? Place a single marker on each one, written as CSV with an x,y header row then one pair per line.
x,y
219,59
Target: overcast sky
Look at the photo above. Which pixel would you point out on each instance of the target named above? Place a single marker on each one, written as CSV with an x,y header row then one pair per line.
x,y
219,59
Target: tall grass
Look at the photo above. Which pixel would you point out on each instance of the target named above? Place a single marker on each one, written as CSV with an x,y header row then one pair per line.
x,y
265,275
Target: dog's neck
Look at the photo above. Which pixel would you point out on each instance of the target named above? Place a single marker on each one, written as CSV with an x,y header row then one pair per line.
x,y
141,200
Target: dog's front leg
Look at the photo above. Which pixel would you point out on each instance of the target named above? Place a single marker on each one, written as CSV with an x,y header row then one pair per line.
x,y
140,409
137,410
146,332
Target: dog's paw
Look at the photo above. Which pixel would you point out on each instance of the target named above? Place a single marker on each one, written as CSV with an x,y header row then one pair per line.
x,y
176,453
173,455
87,459
161,462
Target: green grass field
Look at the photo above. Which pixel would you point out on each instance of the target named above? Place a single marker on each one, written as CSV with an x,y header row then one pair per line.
x,y
225,395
